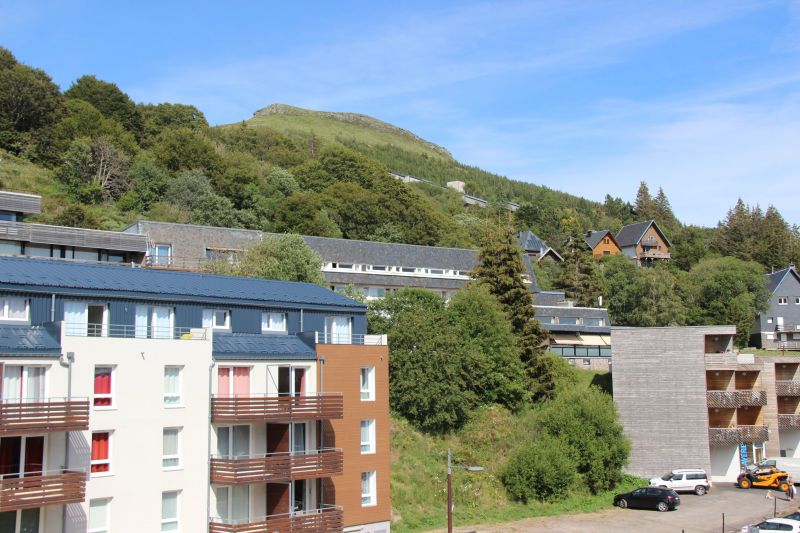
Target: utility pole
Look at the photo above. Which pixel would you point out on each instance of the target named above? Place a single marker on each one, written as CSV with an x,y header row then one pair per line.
x,y
449,494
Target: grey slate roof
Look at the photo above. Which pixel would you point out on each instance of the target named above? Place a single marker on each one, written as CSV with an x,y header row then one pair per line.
x,y
775,278
631,234
530,242
549,298
29,340
253,346
125,281
593,238
387,280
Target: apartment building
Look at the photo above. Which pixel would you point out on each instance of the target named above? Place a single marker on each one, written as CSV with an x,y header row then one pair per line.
x,y
148,400
686,398
778,328
21,238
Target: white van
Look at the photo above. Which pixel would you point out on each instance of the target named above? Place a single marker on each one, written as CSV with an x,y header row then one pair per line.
x,y
790,465
684,480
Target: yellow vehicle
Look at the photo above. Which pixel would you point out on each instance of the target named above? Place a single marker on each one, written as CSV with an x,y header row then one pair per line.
x,y
770,478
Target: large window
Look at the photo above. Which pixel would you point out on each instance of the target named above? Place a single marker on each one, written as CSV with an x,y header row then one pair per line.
x,y
86,319
783,300
103,381
15,309
233,503
98,515
233,441
172,386
216,318
25,521
160,254
171,456
591,321
273,322
233,381
368,436
368,489
101,452
154,322
367,379
170,502
338,329
23,383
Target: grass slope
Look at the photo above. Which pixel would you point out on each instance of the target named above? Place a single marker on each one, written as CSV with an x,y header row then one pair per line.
x,y
419,475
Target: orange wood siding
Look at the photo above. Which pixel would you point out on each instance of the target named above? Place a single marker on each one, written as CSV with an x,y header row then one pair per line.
x,y
658,240
602,247
341,373
719,380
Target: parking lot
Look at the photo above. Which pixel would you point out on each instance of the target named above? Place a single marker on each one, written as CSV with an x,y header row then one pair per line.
x,y
696,514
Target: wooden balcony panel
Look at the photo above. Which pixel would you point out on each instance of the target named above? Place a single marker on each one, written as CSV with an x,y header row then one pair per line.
x,y
30,492
274,468
47,416
752,398
787,388
328,520
718,399
788,421
722,436
253,409
754,433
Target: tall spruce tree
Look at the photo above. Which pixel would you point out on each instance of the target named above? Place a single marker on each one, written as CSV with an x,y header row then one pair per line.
x,y
579,277
645,207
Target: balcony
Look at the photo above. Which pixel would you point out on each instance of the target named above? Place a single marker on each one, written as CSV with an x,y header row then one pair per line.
x,y
276,467
787,328
754,433
324,337
788,388
724,436
719,399
51,488
263,408
654,254
329,519
26,417
129,331
789,421
752,398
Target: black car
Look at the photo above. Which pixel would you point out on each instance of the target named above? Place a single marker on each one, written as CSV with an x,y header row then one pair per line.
x,y
649,498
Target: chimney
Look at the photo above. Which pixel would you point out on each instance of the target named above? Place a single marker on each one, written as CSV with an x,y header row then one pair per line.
x,y
600,301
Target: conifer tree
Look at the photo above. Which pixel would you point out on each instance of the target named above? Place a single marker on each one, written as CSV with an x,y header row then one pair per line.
x,y
579,278
663,212
644,207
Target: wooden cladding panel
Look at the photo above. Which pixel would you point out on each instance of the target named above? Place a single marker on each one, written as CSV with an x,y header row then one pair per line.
x,y
255,409
276,468
43,417
38,491
719,380
326,521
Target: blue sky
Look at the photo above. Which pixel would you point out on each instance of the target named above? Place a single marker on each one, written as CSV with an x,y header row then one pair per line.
x,y
699,97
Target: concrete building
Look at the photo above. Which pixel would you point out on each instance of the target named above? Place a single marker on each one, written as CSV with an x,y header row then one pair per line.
x,y
147,400
687,399
21,238
778,328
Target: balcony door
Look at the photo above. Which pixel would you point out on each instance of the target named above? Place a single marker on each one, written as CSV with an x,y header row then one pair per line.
x,y
233,441
233,381
89,319
21,457
338,329
23,383
233,503
25,521
291,381
299,496
298,438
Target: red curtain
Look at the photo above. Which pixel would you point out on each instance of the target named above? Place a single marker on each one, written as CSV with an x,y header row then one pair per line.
x,y
100,451
102,385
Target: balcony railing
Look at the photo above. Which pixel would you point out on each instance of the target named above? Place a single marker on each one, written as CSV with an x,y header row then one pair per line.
x,y
328,519
719,399
128,331
724,435
754,433
48,488
752,398
787,387
788,421
787,328
172,262
324,337
33,416
254,408
276,467
655,254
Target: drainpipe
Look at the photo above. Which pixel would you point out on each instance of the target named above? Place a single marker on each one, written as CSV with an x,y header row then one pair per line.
x,y
53,308
208,451
301,321
70,358
320,492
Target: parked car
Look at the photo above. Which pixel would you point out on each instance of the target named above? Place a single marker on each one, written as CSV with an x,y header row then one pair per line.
x,y
794,516
684,480
774,524
649,498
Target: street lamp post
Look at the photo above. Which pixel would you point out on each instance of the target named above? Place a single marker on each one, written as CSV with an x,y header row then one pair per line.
x,y
450,488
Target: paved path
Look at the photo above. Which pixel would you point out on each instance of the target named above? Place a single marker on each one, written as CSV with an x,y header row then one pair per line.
x,y
696,514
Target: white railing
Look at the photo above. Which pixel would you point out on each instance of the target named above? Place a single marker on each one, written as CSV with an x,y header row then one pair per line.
x,y
326,337
128,331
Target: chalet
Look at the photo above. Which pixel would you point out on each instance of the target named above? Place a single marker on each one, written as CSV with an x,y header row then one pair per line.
x,y
644,242
536,248
779,326
602,243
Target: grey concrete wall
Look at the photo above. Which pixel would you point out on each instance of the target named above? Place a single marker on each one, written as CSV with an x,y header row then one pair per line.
x,y
660,391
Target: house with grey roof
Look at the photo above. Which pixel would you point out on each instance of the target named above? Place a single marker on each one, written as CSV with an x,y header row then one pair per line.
x,y
535,248
779,326
602,243
644,242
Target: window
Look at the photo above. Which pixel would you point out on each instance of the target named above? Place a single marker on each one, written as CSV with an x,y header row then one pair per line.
x,y
590,321
98,515
408,270
23,383
171,455
172,386
216,318
233,503
233,381
160,254
769,320
367,383
378,268
437,272
14,309
374,292
103,396
101,452
337,329
10,248
783,300
153,322
169,511
368,436
344,266
368,489
571,320
797,300
233,441
273,322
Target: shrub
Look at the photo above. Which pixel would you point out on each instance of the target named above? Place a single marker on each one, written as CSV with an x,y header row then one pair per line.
x,y
541,471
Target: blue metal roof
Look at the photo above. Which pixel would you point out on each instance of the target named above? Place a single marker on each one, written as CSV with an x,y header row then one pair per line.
x,y
29,340
125,281
254,346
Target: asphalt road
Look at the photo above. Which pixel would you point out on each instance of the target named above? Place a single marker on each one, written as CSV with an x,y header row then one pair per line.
x,y
696,514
